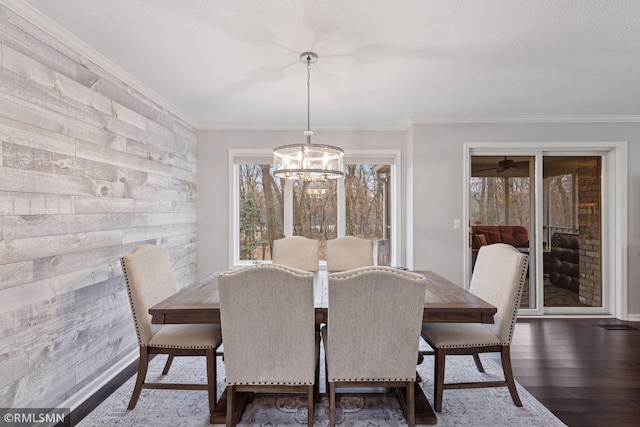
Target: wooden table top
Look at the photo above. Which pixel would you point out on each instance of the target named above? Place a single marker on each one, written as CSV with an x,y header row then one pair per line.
x,y
444,302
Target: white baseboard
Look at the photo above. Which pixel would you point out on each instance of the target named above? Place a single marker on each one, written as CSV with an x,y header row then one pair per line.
x,y
633,317
87,391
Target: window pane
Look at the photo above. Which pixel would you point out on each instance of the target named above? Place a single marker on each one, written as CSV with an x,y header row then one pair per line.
x,y
500,200
261,211
367,201
315,211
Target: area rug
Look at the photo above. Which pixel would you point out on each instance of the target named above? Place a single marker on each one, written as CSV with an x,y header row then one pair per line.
x,y
471,407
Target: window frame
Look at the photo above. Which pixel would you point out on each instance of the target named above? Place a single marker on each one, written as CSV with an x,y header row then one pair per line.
x,y
264,156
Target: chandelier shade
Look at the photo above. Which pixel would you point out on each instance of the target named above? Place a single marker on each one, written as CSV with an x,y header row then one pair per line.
x,y
308,162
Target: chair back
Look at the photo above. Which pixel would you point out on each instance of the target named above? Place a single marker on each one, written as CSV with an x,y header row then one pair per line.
x,y
349,252
149,278
373,325
498,278
297,252
268,325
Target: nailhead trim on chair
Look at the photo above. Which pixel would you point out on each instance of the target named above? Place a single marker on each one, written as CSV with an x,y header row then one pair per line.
x,y
370,379
523,275
191,347
269,383
133,310
297,272
369,269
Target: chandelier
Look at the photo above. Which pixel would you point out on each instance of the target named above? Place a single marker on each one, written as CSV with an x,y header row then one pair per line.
x,y
308,162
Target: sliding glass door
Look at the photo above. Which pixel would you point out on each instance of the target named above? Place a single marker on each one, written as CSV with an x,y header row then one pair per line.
x,y
550,206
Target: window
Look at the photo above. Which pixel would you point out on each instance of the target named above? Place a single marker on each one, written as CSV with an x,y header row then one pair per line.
x,y
265,208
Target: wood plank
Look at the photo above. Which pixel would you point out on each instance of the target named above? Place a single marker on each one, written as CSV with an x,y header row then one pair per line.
x,y
21,157
101,154
15,274
34,137
132,235
89,205
16,203
12,179
41,290
35,115
18,250
19,227
57,264
17,38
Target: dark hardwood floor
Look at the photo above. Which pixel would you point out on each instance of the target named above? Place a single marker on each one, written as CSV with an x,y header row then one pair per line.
x,y
586,375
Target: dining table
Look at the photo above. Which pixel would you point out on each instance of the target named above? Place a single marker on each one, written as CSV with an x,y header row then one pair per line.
x,y
444,302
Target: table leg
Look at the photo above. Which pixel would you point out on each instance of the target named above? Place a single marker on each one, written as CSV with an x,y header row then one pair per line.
x,y
219,416
424,411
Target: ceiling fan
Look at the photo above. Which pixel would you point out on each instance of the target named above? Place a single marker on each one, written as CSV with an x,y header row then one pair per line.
x,y
506,164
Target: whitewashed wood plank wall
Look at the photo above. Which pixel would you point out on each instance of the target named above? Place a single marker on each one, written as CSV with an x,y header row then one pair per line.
x,y
89,169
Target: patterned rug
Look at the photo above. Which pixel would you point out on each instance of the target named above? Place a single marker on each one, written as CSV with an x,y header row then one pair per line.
x,y
471,407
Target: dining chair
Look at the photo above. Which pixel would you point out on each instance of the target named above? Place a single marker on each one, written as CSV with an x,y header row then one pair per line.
x,y
497,278
373,331
149,279
349,252
297,252
268,327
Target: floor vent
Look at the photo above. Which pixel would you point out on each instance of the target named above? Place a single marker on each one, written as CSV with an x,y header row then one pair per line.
x,y
621,327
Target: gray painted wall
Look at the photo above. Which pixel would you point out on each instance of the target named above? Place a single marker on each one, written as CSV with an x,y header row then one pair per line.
x,y
89,169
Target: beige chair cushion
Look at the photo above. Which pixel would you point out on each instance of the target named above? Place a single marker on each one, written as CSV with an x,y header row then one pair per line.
x,y
194,336
297,252
149,279
459,335
373,325
347,253
268,325
498,277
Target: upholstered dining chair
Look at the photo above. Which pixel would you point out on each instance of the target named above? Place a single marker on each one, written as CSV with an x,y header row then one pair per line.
x,y
268,327
349,252
497,278
297,252
149,280
373,331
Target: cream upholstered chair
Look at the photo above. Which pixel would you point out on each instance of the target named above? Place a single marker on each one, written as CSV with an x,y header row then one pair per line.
x,y
497,278
373,331
149,279
349,252
297,252
268,326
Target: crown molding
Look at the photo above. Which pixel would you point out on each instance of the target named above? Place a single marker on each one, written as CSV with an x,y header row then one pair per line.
x,y
300,128
49,26
526,119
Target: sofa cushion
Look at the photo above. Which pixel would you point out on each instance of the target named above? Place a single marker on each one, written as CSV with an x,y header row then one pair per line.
x,y
514,235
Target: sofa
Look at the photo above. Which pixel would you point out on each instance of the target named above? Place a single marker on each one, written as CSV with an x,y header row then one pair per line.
x,y
563,263
514,235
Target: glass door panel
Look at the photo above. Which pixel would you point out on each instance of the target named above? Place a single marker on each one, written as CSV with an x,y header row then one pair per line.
x,y
501,208
572,231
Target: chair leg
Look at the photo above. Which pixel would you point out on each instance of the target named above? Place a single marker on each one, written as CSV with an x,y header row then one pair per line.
x,y
231,422
411,404
476,358
165,371
438,381
311,404
505,356
332,404
212,380
143,364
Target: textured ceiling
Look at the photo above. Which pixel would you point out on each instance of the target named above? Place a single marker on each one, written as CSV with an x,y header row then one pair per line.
x,y
235,63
